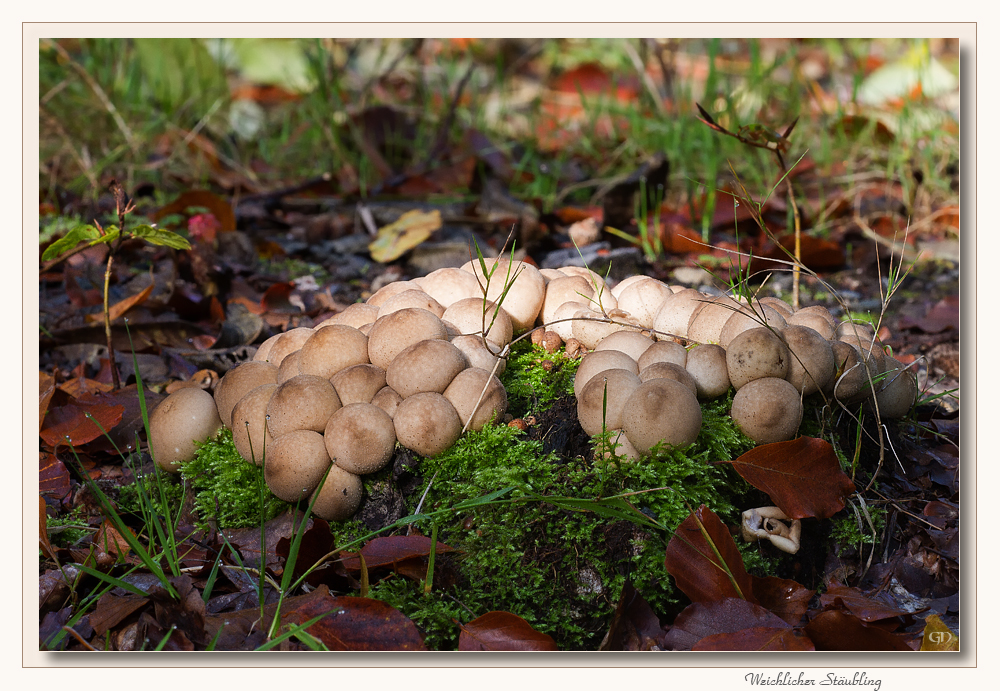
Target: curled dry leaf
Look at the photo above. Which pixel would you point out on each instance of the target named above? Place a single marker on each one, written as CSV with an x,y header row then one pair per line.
x,y
704,560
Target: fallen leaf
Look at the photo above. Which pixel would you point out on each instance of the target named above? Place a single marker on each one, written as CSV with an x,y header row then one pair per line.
x,y
46,387
693,559
840,630
726,615
80,386
357,623
70,424
937,636
392,551
757,638
201,199
404,234
120,308
802,476
43,530
634,626
111,610
786,598
857,603
502,631
53,477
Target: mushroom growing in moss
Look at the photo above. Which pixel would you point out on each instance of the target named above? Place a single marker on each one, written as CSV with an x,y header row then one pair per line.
x,y
767,410
180,420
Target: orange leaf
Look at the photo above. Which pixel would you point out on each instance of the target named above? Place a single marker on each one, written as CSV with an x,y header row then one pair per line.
x,y
502,631
53,478
70,424
802,476
120,308
46,387
692,558
81,386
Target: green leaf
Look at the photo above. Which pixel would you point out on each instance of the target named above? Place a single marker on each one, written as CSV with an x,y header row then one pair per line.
x,y
70,240
158,236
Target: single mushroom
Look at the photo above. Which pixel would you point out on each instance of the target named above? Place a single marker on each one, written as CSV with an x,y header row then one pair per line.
x,y
265,348
707,364
767,410
617,289
387,399
618,446
239,381
289,342
389,290
295,464
661,410
643,299
250,435
754,354
850,373
590,327
427,423
289,366
181,419
477,396
598,361
331,349
523,284
664,351
811,366
394,333
360,438
778,304
632,343
449,285
708,320
339,496
675,313
479,353
669,370
816,317
358,383
750,318
411,298
566,311
471,315
357,315
767,523
898,390
302,402
601,403
428,365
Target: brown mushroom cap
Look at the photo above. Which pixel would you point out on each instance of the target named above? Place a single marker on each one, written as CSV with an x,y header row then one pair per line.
x,y
410,298
850,375
389,290
358,383
523,301
302,402
289,342
626,282
675,313
594,416
664,351
591,327
669,370
709,318
184,417
464,393
467,316
767,410
449,285
425,366
811,366
707,364
632,343
427,423
661,410
593,278
746,318
250,435
295,464
479,354
357,315
567,310
339,496
387,399
598,361
360,438
643,299
754,354
265,348
815,317
239,381
289,366
898,390
778,304
331,349
573,289
856,330
394,333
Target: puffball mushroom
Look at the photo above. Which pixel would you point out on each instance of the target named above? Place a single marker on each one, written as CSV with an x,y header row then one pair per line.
x,y
427,423
360,438
816,317
811,366
428,365
331,349
394,333
632,343
339,496
184,417
622,447
590,327
754,354
747,318
898,391
523,301
387,399
289,342
250,435
613,386
289,367
239,381
483,355
389,290
661,410
464,393
265,348
669,370
707,320
643,299
295,464
598,361
665,351
302,402
357,315
767,410
411,298
567,310
449,285
850,374
358,383
707,364
674,314
467,316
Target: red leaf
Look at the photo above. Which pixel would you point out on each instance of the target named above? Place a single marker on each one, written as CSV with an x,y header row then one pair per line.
x,y
53,478
46,387
387,551
69,424
944,315
802,476
695,566
275,298
756,638
728,615
357,623
788,599
502,631
634,625
202,199
860,605
839,630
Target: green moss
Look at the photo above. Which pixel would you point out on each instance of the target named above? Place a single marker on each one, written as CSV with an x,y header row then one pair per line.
x,y
854,531
227,488
531,387
164,490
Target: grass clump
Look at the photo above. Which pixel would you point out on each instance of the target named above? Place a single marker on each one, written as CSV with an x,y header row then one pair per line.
x,y
227,488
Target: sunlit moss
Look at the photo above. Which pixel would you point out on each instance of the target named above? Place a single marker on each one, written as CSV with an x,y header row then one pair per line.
x,y
531,384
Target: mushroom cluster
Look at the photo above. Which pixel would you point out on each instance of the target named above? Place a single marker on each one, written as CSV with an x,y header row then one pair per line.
x,y
417,364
